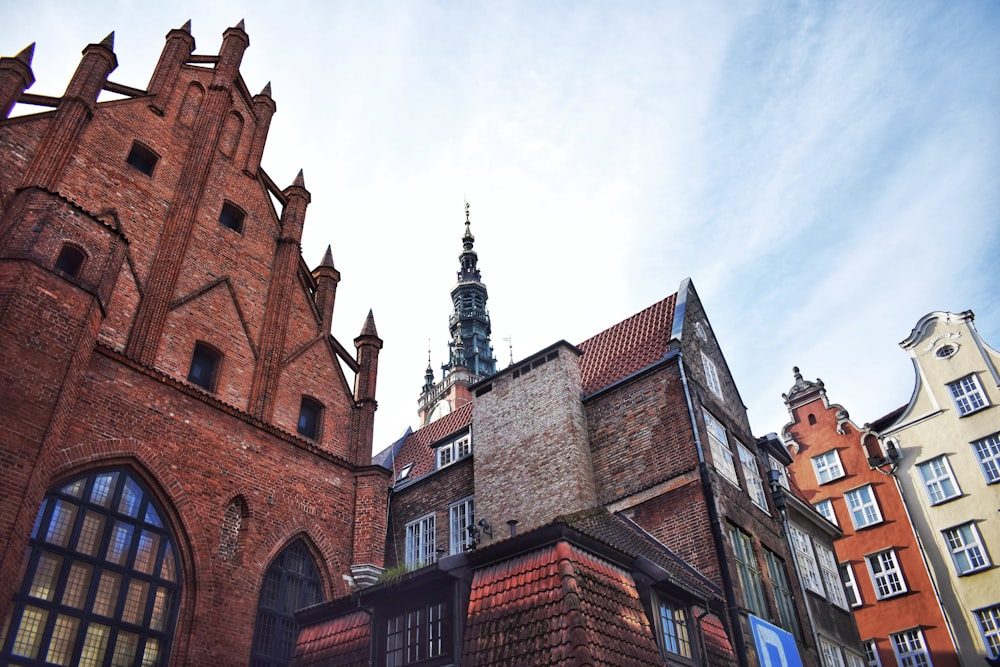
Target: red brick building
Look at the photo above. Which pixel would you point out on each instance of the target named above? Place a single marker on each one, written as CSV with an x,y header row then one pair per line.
x,y
843,472
637,436
183,461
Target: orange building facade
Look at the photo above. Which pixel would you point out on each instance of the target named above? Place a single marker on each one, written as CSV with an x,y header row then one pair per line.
x,y
880,560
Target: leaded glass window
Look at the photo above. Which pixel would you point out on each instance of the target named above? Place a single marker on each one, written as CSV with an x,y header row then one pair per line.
x,y
291,583
102,581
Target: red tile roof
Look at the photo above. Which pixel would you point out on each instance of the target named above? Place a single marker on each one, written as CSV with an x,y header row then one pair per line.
x,y
717,646
558,606
416,449
341,641
627,347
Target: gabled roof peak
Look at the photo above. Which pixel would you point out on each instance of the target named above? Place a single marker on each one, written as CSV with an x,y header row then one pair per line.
x,y
802,386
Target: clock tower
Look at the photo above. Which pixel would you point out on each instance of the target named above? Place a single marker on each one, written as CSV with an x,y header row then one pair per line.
x,y
470,352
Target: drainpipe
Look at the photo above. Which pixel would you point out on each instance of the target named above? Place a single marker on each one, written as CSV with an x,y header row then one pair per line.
x,y
714,519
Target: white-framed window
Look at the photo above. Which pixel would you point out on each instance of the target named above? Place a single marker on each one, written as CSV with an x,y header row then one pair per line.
x,y
853,659
831,575
871,653
851,589
805,560
453,451
782,472
887,577
830,654
825,507
988,452
989,626
711,375
673,630
751,473
827,466
863,507
911,651
938,480
968,395
722,455
420,542
966,547
461,515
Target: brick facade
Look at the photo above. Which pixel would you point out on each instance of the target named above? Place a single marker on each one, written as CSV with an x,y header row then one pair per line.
x,y
94,364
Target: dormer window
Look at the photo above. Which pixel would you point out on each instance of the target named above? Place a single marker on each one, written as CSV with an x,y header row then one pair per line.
x,y
232,216
142,158
205,364
455,450
310,417
70,260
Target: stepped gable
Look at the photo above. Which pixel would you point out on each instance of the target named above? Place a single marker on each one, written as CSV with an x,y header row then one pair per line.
x,y
416,449
627,347
559,602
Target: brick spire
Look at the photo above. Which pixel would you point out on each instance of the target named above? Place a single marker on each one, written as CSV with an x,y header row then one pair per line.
x,y
15,77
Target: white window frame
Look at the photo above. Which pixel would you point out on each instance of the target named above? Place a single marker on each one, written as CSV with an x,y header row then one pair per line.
x,y
872,657
831,576
968,395
454,451
711,375
989,627
987,450
968,554
722,455
851,589
461,515
938,479
421,542
751,473
853,659
827,466
910,648
805,561
825,508
864,510
830,654
887,576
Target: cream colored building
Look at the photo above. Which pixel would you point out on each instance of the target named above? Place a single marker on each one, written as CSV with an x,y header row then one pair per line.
x,y
948,436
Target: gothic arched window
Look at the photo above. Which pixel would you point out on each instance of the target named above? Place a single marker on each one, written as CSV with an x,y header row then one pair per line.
x,y
291,583
102,583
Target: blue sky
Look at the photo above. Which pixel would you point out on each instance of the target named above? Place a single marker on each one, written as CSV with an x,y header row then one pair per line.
x,y
825,172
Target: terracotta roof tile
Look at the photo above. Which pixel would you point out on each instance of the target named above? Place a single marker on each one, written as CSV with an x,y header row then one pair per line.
x,y
416,448
717,646
627,347
556,606
628,538
342,641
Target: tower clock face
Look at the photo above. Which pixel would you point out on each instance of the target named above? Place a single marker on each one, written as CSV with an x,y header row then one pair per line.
x,y
440,410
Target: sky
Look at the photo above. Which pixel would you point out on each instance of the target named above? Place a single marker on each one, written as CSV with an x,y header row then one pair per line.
x,y
826,173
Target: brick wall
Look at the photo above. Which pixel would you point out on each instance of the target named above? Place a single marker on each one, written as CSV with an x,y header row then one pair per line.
x,y
531,445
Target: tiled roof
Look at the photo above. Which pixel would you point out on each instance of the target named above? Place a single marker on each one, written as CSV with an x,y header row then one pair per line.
x,y
557,606
717,646
341,641
416,448
627,347
888,420
628,538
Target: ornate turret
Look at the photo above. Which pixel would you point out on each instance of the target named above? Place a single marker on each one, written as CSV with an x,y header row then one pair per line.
x,y
470,351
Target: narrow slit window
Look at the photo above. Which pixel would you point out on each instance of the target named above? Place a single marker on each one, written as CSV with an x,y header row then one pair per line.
x,y
70,260
142,158
205,364
232,216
